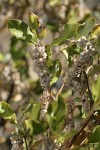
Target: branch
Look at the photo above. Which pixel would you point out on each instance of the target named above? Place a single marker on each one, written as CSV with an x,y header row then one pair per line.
x,y
60,90
69,143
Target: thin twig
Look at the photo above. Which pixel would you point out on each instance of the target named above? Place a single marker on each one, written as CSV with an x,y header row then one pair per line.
x,y
60,90
89,91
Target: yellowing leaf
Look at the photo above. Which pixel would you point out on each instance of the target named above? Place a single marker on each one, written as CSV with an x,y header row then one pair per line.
x,y
33,22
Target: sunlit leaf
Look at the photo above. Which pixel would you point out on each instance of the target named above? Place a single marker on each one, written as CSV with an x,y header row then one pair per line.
x,y
21,30
6,112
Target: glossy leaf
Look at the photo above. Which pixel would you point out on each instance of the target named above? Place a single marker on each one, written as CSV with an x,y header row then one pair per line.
x,y
21,30
6,112
86,28
68,32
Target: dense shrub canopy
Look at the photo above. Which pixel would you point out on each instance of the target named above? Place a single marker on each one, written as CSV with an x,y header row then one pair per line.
x,y
50,75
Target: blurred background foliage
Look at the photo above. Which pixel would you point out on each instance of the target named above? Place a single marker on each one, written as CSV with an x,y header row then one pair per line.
x,y
19,81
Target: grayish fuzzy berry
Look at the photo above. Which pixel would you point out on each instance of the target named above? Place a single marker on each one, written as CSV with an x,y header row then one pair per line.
x,y
40,61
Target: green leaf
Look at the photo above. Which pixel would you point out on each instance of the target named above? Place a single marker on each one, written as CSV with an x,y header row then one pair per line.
x,y
64,51
70,51
56,114
34,127
60,112
73,49
21,30
86,28
6,112
37,127
68,57
68,32
33,111
95,136
55,71
96,89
